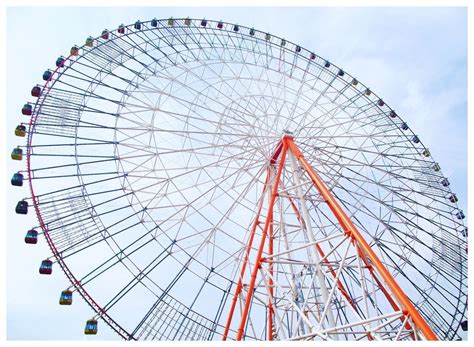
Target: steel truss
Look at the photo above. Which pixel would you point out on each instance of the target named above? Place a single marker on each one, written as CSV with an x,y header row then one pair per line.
x,y
385,313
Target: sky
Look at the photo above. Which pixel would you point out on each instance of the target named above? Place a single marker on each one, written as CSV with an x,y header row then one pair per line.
x,y
415,58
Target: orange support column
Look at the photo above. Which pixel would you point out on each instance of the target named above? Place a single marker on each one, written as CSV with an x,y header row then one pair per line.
x,y
257,265
351,230
238,289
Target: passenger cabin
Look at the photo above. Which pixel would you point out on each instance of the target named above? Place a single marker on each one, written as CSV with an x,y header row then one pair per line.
x,y
312,56
404,126
31,237
220,25
27,110
298,49
36,91
453,198
171,21
17,153
46,267
283,42
436,167
355,82
20,130
380,103
90,41
445,182
154,22
340,73
121,29
367,92
327,64
59,62
415,139
236,28
252,32
464,232
105,34
268,36
91,327
66,297
464,325
17,179
426,152
393,114
47,75
74,51
203,23
460,215
187,21
21,207
137,25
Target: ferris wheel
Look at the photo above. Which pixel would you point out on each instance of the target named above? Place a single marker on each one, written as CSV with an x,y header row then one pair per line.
x,y
202,180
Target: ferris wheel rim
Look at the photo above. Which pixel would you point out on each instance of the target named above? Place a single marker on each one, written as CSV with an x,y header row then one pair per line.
x,y
58,257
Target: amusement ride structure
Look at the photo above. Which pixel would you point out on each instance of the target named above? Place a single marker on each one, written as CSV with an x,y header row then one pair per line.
x,y
201,180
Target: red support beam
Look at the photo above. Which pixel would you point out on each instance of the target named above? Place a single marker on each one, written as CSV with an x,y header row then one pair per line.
x,y
238,289
257,265
367,251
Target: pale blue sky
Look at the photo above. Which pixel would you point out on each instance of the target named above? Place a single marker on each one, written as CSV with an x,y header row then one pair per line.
x,y
415,58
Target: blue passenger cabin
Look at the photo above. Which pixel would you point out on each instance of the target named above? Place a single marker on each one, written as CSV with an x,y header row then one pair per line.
x,y
31,237
47,75
91,327
445,182
21,207
17,153
312,56
464,325
460,215
404,126
27,110
17,179
415,139
46,267
453,198
137,25
154,22
236,28
252,32
327,64
464,232
36,91
60,62
298,49
340,73
203,23
66,297
20,130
